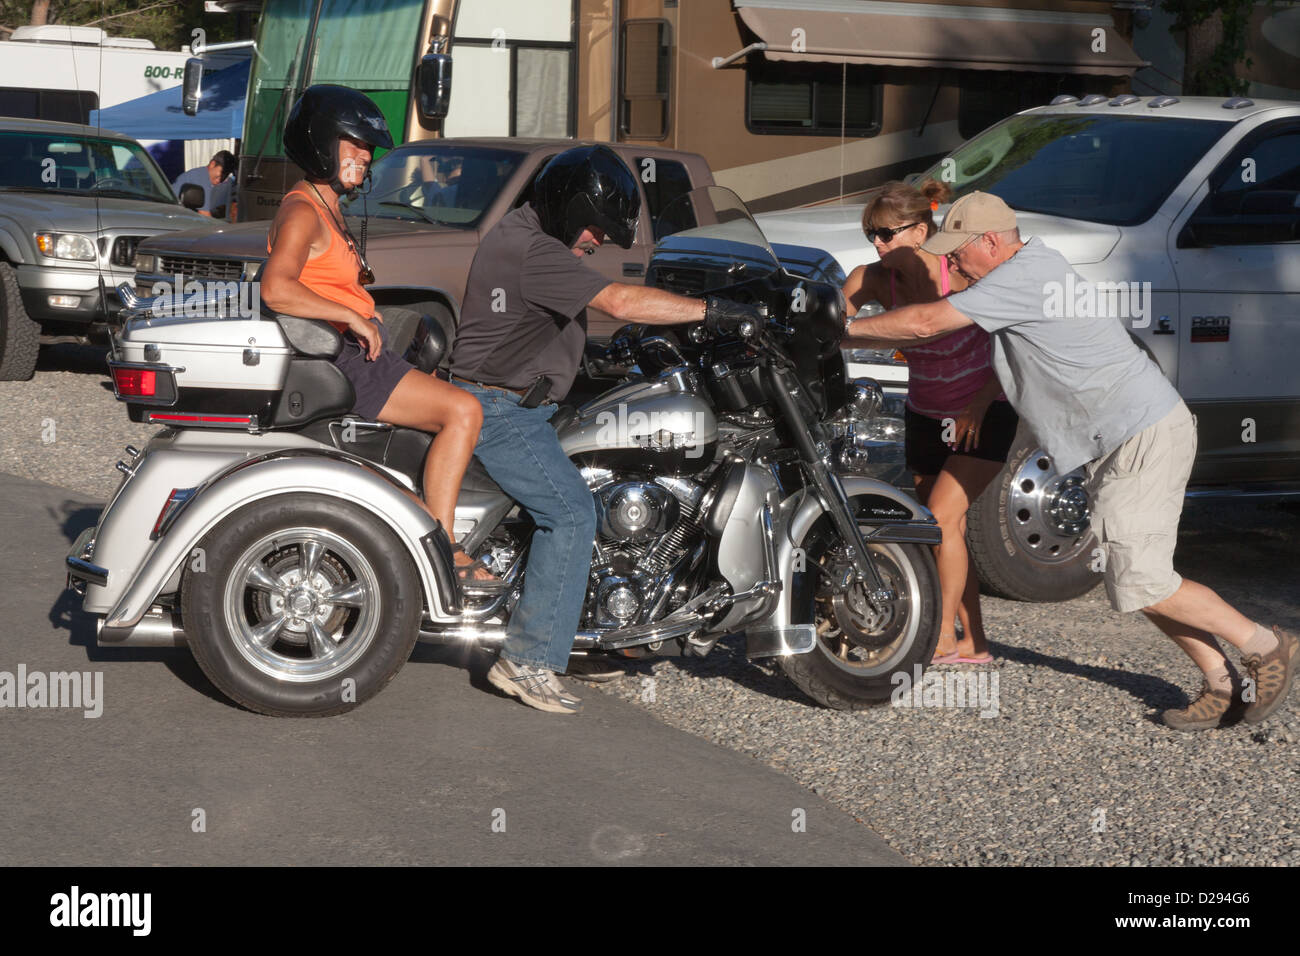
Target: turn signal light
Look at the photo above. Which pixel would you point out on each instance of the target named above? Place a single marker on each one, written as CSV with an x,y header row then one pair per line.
x,y
135,382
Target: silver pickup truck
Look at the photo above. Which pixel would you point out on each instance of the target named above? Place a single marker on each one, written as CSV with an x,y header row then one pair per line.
x,y
74,203
1185,215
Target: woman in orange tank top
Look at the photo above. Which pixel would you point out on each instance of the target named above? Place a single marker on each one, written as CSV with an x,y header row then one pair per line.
x,y
316,270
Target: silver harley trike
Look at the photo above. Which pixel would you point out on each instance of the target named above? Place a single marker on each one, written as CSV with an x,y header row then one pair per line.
x,y
284,542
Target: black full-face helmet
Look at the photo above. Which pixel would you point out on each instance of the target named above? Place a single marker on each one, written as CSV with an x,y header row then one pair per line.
x,y
321,116
587,186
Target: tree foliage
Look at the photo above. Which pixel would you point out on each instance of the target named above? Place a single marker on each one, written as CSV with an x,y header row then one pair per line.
x,y
168,24
1213,70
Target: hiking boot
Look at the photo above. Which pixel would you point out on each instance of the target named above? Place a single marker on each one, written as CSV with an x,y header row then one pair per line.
x,y
596,670
1272,674
1208,711
535,686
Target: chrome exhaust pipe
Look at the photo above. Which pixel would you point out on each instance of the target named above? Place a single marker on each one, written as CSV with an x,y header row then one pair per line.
x,y
488,635
158,628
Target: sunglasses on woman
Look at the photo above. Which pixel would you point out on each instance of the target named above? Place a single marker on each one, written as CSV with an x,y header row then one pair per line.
x,y
885,233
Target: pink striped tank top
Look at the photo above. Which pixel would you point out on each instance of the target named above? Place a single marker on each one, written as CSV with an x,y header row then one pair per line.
x,y
943,376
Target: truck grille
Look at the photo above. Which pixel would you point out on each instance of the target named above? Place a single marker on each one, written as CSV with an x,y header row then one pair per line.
x,y
190,267
124,250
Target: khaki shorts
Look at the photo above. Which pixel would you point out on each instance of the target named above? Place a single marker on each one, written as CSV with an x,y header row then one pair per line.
x,y
1136,494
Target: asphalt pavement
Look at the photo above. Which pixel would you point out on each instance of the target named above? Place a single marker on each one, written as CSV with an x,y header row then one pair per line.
x,y
437,769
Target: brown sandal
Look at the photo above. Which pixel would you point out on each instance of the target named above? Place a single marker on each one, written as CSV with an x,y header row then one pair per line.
x,y
465,574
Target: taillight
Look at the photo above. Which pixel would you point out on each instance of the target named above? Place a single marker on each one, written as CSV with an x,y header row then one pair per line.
x,y
170,508
135,382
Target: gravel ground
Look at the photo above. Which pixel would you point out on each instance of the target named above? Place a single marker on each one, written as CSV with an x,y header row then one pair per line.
x,y
64,426
1074,769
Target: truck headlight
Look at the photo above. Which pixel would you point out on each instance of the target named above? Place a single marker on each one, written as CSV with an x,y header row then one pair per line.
x,y
145,263
65,245
875,356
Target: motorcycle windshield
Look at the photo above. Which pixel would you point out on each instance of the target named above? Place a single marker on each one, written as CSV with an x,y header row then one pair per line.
x,y
709,234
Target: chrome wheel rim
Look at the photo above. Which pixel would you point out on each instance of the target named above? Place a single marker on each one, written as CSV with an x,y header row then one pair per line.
x,y
864,642
1048,514
302,604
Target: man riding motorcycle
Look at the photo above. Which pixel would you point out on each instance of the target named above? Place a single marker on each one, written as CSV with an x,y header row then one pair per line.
x,y
523,328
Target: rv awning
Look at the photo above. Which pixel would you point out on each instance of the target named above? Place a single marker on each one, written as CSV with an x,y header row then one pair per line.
x,y
939,35
160,116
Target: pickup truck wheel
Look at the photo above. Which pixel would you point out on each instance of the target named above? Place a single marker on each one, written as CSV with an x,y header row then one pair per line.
x,y
1028,532
303,606
19,335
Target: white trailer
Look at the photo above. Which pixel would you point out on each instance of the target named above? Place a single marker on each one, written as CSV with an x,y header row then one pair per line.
x,y
60,72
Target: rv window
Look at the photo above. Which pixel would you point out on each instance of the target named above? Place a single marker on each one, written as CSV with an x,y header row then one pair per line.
x,y
644,99
811,98
62,106
663,181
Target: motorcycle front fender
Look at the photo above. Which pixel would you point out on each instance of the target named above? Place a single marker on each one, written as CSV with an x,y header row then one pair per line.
x,y
291,471
883,512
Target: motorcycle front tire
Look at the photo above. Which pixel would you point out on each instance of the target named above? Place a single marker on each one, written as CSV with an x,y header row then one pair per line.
x,y
841,683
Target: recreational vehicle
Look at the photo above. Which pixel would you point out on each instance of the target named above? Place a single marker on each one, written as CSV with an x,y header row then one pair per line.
x,y
793,102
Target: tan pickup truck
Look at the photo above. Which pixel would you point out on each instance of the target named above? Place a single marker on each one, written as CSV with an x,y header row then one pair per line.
x,y
430,204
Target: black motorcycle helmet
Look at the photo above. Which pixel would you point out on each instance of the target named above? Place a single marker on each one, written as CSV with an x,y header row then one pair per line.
x,y
321,116
587,186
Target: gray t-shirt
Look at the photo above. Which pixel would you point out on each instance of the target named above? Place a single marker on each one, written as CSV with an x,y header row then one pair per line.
x,y
525,311
1082,384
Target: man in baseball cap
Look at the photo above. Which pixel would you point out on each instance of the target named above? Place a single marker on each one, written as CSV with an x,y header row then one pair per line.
x,y
1092,397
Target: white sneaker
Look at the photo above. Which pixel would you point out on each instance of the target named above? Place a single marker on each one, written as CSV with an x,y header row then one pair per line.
x,y
535,686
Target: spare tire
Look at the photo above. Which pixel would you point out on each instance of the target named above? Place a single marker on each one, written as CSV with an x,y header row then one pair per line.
x,y
1029,533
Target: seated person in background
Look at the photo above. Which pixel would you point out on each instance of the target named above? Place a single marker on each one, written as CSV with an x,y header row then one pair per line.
x,y
216,179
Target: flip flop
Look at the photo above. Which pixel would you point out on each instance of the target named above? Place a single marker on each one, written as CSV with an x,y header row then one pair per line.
x,y
471,584
981,659
950,658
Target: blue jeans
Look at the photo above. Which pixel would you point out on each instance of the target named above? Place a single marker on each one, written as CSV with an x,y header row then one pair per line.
x,y
519,449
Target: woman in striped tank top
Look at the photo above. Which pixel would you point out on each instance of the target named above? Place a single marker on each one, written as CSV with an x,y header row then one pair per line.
x,y
959,425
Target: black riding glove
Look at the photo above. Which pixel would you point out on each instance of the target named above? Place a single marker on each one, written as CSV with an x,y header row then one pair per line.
x,y
730,318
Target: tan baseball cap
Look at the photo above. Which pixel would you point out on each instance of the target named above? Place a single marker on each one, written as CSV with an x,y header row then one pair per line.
x,y
972,215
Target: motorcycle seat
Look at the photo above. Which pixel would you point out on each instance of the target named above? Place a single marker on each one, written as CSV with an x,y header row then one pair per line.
x,y
405,449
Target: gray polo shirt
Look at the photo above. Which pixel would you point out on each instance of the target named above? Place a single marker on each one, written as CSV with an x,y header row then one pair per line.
x,y
525,311
1082,384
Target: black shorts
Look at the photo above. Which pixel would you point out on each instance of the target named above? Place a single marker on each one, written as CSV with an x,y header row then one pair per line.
x,y
372,381
926,451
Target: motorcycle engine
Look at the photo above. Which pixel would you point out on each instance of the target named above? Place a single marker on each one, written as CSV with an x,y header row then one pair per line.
x,y
644,528
635,511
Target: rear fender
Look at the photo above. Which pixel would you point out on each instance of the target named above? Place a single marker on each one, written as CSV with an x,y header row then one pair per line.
x,y
290,471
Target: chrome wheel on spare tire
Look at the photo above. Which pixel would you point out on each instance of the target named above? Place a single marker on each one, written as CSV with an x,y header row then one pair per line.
x,y
860,648
304,606
1029,533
